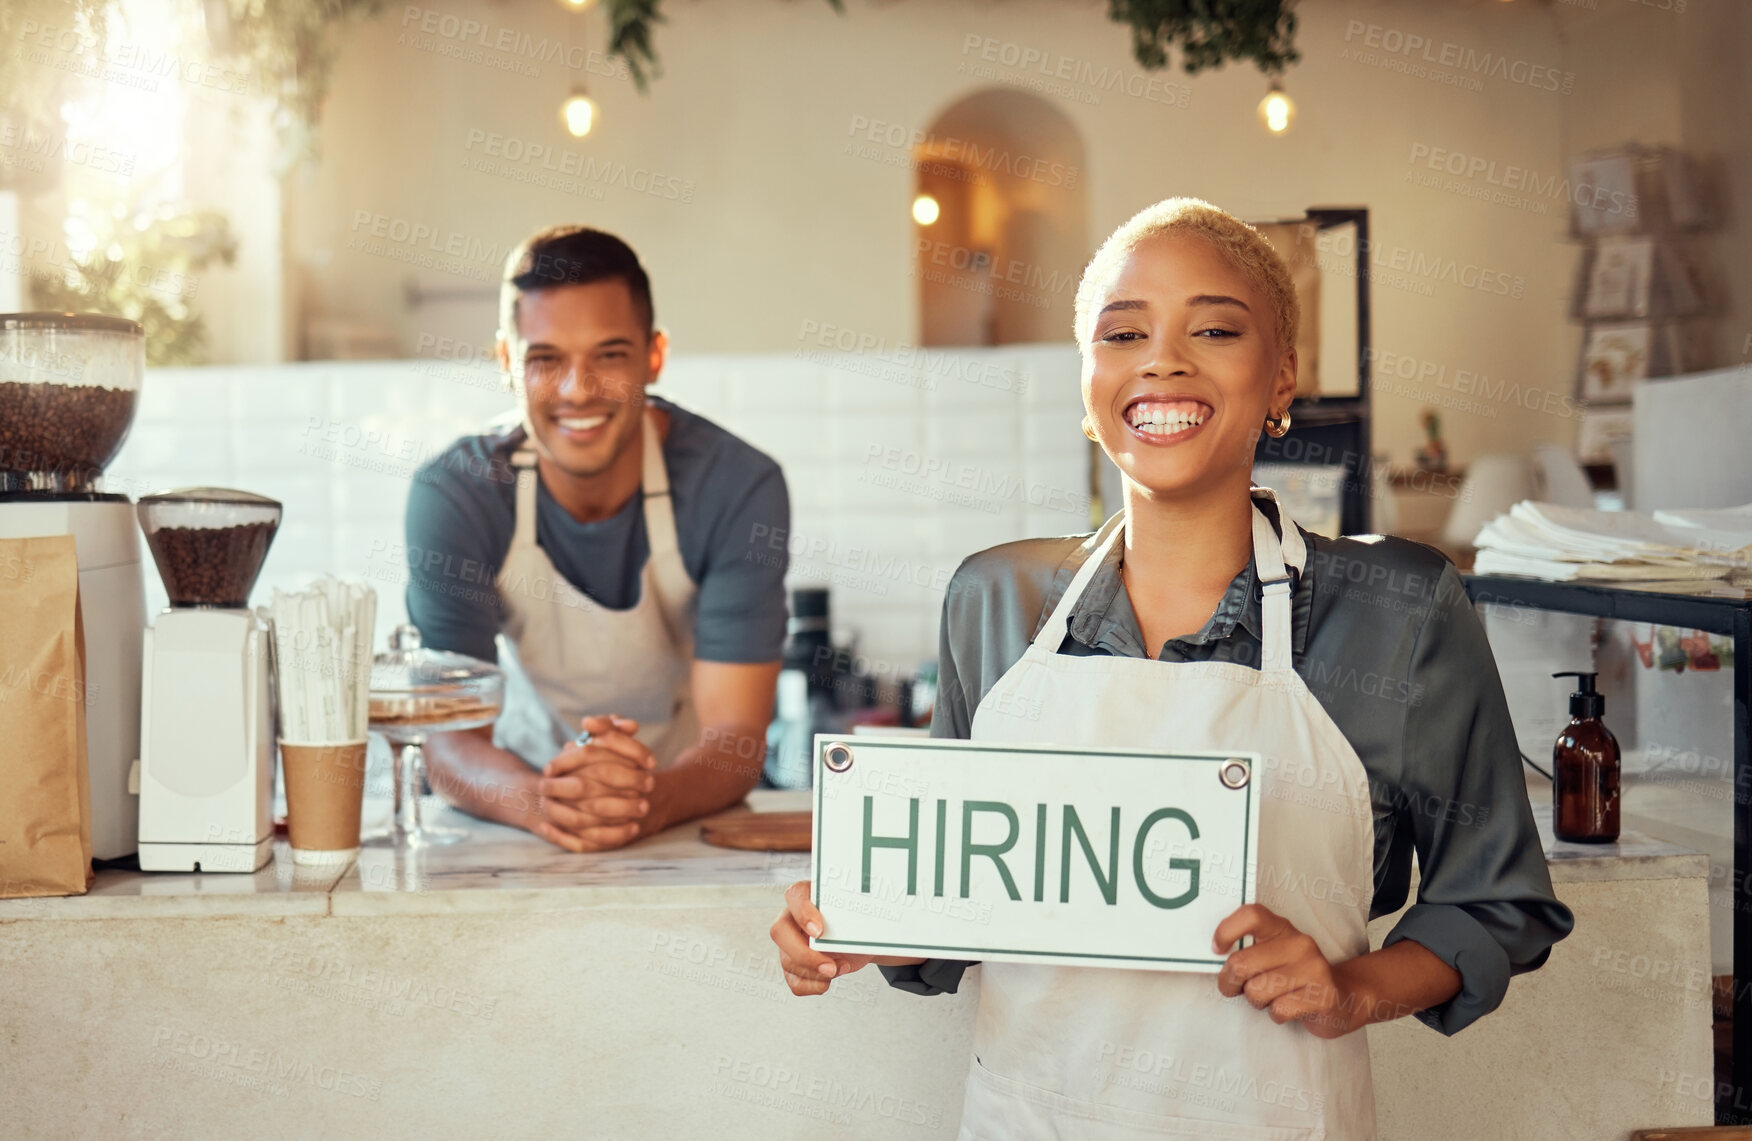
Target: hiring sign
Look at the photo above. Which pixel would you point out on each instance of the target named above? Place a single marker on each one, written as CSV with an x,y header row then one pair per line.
x,y
1031,853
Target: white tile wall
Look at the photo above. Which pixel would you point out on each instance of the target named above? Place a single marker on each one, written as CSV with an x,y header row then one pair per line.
x,y
898,466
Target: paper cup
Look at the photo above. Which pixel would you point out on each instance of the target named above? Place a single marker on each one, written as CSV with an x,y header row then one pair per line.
x,y
325,793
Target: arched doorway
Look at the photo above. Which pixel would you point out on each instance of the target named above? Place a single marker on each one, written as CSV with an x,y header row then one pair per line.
x,y
998,264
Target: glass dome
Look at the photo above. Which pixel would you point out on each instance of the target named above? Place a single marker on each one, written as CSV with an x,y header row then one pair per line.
x,y
416,691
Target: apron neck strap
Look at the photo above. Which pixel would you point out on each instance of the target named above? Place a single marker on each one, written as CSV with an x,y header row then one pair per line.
x,y
1052,634
528,478
654,473
1272,559
654,486
1274,582
1293,552
666,572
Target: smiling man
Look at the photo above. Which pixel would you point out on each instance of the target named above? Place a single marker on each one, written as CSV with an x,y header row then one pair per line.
x,y
600,546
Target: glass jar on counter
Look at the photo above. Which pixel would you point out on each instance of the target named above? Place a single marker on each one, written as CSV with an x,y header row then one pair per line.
x,y
69,387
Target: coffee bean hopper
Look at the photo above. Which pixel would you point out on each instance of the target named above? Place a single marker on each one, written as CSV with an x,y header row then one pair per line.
x,y
207,724
69,383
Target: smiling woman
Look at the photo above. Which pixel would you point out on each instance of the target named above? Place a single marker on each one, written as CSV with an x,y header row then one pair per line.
x,y
1223,313
1201,618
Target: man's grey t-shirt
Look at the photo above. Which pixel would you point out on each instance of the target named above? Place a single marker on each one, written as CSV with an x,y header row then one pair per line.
x,y
730,507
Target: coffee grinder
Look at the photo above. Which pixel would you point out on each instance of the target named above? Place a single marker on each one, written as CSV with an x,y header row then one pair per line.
x,y
207,719
69,385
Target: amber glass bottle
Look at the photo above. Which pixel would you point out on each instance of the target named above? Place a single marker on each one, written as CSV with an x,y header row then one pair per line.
x,y
1584,770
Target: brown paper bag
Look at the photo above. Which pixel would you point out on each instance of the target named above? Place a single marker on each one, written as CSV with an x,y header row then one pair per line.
x,y
45,781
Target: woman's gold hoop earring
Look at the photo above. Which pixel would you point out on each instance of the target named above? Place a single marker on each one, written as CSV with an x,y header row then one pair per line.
x,y
1088,428
1278,426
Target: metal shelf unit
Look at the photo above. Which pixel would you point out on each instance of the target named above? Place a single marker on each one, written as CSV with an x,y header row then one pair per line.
x,y
1730,617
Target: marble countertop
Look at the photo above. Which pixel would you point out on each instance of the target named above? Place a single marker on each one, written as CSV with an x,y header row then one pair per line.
x,y
496,868
1633,856
499,868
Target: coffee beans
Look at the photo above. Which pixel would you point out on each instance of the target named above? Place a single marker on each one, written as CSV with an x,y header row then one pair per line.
x,y
68,431
210,566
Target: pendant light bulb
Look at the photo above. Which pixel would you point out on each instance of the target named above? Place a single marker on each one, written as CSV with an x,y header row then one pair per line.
x,y
579,5
1276,110
578,113
925,210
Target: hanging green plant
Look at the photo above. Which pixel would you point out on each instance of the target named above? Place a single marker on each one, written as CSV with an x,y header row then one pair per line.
x,y
629,36
289,49
31,93
146,267
1209,33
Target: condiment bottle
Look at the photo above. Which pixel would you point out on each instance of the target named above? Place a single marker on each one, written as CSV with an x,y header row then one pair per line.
x,y
1584,769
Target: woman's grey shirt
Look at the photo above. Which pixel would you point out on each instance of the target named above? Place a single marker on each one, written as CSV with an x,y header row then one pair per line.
x,y
1387,641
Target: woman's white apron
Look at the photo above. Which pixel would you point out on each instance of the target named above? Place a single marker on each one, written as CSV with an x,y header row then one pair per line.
x,y
1108,1054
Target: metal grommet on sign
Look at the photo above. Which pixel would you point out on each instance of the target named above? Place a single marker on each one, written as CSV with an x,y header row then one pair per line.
x,y
838,757
1234,773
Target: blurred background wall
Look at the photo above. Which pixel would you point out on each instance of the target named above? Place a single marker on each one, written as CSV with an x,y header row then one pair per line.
x,y
783,195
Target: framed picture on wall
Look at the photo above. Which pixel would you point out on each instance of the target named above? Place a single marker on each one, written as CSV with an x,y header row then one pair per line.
x,y
1619,278
1614,359
1603,198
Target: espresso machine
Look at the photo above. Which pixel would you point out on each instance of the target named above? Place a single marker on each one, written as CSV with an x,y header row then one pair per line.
x,y
69,386
207,715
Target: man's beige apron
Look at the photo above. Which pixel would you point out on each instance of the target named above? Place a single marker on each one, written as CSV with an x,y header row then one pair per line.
x,y
1107,1054
566,657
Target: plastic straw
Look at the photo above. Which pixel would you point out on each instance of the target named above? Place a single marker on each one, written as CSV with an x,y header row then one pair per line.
x,y
291,681
310,625
365,627
323,638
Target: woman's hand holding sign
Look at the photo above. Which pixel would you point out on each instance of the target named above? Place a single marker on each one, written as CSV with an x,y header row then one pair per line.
x,y
808,971
1282,973
1285,974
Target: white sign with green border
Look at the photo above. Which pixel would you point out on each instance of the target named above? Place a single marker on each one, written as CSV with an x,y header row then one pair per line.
x,y
1031,853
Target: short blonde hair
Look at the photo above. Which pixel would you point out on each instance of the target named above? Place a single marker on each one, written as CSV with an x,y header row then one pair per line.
x,y
1244,247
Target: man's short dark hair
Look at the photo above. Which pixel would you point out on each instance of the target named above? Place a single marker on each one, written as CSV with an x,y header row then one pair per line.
x,y
571,255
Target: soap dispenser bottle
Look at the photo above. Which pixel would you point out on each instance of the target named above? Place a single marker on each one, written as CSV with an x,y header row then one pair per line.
x,y
1584,769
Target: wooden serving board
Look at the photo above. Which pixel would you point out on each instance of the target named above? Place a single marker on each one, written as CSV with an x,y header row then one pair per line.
x,y
760,831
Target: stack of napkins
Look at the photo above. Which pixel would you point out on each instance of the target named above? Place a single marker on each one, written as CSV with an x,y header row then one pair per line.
x,y
1681,551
